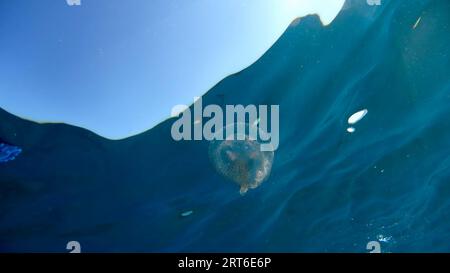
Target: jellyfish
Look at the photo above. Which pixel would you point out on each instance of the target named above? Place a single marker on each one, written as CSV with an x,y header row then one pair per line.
x,y
8,152
241,161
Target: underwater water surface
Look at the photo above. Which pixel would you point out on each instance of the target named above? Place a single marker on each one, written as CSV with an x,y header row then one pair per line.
x,y
330,188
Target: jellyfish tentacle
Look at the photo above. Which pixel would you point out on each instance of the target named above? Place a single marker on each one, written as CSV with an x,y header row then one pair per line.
x,y
243,190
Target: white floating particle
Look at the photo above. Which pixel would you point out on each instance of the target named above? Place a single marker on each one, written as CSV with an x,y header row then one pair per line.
x,y
350,130
187,213
357,116
383,238
417,22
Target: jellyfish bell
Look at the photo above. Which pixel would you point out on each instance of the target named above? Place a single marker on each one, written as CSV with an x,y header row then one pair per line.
x,y
239,157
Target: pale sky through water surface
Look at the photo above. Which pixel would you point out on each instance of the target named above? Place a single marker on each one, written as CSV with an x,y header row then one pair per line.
x,y
118,67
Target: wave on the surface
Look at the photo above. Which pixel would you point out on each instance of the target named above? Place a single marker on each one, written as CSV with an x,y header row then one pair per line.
x,y
329,189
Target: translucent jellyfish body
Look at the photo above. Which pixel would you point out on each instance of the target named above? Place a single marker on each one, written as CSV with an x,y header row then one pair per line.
x,y
239,158
8,152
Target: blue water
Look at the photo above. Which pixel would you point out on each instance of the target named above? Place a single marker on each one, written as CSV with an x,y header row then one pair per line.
x,y
329,190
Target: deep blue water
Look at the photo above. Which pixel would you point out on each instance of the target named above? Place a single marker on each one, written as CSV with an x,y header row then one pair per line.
x,y
329,190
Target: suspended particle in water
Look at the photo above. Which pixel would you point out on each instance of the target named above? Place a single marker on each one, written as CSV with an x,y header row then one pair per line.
x,y
239,158
417,22
187,213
